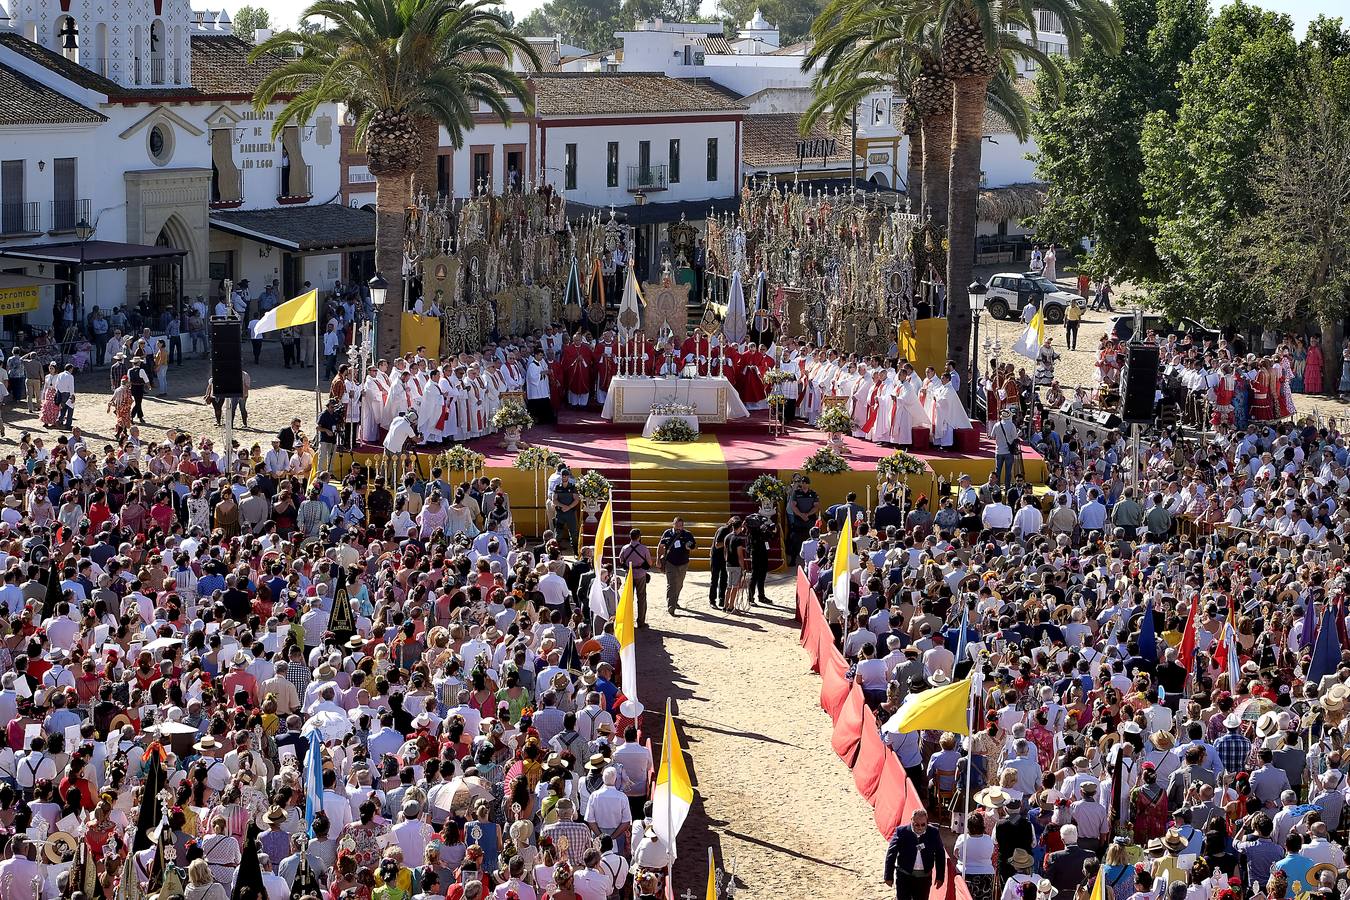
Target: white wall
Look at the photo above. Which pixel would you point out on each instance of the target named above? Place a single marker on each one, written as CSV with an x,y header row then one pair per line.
x,y
592,155
1006,162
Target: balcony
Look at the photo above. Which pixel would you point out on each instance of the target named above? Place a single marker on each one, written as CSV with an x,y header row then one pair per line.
x,y
648,178
65,214
19,218
295,184
156,71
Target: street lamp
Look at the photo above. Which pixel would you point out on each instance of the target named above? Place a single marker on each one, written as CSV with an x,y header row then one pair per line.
x,y
84,231
976,291
379,292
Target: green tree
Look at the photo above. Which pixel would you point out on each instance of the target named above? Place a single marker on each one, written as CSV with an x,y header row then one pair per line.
x,y
1088,141
792,18
403,67
980,38
1201,161
1296,250
250,19
584,23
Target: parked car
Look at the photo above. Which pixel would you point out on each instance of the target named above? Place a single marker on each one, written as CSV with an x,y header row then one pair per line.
x,y
1122,327
1009,293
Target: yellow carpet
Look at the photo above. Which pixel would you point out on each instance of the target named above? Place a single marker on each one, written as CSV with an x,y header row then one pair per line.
x,y
648,454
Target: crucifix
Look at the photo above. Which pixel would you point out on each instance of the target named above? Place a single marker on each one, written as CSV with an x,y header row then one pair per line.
x,y
688,895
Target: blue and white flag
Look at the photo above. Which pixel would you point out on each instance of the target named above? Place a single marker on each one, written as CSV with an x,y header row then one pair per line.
x,y
313,780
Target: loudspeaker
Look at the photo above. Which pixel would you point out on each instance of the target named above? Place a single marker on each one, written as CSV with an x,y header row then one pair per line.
x,y
227,365
1139,382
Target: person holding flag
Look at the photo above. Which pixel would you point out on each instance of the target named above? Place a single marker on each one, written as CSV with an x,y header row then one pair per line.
x,y
1033,338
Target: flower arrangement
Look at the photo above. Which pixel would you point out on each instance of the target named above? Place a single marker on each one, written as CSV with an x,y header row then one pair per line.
x,y
512,414
835,420
535,459
826,461
674,431
461,459
898,465
673,409
767,490
776,400
778,376
593,487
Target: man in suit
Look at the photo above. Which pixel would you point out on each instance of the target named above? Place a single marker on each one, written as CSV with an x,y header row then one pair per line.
x,y
915,858
290,436
1064,868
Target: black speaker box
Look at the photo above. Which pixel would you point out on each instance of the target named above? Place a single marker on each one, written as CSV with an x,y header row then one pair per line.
x,y
1139,383
227,365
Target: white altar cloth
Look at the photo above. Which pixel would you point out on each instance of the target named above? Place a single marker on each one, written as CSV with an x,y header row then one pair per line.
x,y
630,399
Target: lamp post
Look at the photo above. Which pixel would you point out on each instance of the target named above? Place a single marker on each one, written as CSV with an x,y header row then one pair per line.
x,y
379,291
84,231
976,291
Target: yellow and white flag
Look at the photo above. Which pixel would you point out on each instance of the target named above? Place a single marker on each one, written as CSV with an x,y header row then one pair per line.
x,y
1029,344
603,532
301,311
843,565
625,632
674,792
712,876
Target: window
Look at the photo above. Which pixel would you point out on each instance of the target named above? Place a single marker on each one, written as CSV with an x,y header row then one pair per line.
x,y
11,197
64,205
160,144
482,173
675,161
570,167
645,160
443,170
712,159
225,186
612,165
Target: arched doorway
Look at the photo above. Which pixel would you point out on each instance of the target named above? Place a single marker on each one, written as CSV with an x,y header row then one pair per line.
x,y
165,288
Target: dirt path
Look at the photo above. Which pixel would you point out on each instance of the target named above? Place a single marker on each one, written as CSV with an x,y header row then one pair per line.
x,y
772,799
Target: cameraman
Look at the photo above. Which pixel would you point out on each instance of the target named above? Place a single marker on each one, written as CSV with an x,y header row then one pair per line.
x,y
759,530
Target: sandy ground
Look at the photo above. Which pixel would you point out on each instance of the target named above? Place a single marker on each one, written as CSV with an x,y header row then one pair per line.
x,y
774,802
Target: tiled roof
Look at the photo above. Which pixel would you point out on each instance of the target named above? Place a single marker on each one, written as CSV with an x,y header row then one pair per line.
x,y
24,101
327,226
591,93
769,140
220,65
67,69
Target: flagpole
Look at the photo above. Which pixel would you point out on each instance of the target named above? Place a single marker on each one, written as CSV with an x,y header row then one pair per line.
x,y
318,406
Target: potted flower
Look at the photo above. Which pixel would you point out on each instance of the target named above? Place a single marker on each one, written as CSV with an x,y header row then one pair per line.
x,y
837,422
674,431
768,492
593,489
461,459
826,461
512,418
536,459
898,466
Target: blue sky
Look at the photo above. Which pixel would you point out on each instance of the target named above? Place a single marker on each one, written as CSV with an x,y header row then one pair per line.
x,y
286,12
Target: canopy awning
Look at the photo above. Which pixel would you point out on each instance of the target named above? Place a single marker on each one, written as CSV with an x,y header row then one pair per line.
x,y
96,254
327,228
634,214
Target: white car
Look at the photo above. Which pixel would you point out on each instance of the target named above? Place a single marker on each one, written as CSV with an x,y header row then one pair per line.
x,y
1009,292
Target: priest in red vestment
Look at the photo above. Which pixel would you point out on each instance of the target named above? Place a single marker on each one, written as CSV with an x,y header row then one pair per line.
x,y
578,361
606,358
695,350
749,379
557,378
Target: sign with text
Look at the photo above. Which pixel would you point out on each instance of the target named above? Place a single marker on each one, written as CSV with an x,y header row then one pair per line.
x,y
17,300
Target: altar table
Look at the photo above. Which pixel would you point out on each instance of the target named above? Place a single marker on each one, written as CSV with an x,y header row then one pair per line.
x,y
630,398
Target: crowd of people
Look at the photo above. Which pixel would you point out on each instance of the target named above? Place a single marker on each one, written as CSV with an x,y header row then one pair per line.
x,y
166,606
1160,667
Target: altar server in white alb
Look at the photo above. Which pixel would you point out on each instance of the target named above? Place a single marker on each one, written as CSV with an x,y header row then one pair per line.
x,y
537,397
945,411
374,394
431,410
906,409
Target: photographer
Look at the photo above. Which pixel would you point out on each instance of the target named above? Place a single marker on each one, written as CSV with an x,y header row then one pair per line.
x,y
759,531
672,557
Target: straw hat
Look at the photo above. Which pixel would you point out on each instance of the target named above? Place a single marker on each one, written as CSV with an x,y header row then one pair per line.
x,y
991,798
1020,860
1173,841
597,761
1268,724
207,743
275,814
1163,740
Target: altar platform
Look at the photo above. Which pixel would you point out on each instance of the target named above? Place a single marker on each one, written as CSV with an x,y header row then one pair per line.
x,y
703,480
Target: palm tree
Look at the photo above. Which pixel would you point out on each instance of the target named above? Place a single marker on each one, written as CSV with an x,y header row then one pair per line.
x,y
977,46
404,69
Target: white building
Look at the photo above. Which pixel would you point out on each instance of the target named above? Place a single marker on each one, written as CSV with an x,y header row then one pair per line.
x,y
136,117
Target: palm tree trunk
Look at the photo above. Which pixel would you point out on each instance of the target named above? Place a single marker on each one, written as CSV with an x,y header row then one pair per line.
x,y
968,102
425,175
937,154
914,170
393,194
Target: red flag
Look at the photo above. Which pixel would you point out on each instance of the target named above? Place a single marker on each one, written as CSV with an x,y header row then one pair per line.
x,y
1187,649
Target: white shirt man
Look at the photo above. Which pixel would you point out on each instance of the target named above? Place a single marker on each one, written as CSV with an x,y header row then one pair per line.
x,y
607,810
996,516
412,833
536,379
277,459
